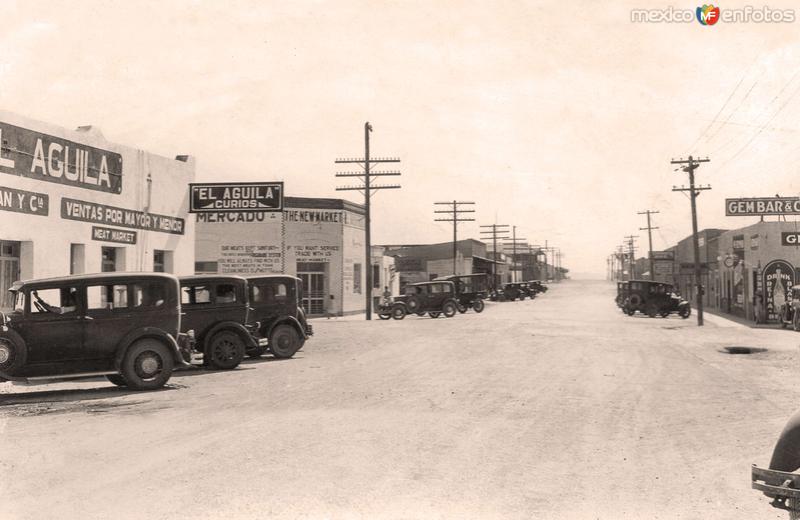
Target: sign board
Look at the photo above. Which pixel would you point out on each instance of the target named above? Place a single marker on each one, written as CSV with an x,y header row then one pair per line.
x,y
762,206
409,264
119,236
21,201
236,197
663,255
42,157
778,281
663,268
84,211
790,238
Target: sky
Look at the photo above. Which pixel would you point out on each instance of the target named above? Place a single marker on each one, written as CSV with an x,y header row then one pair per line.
x,y
558,118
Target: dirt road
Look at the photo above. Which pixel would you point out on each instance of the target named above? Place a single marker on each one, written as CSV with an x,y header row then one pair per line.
x,y
555,408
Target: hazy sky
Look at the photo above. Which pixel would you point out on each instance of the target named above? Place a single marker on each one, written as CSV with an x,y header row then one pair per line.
x,y
559,117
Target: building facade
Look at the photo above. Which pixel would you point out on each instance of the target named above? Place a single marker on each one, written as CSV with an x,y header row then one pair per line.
x,y
71,202
321,241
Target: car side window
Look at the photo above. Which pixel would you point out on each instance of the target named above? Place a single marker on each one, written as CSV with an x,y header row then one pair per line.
x,y
195,294
446,288
225,293
148,295
436,289
62,300
270,293
107,297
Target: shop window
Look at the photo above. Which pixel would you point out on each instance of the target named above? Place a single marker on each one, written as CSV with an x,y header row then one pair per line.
x,y
376,277
77,258
109,260
162,261
356,278
205,267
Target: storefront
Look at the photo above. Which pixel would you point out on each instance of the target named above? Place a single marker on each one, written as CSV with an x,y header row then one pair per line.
x,y
321,241
71,202
758,266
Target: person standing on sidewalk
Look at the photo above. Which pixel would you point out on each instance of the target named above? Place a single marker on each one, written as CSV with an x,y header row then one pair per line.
x,y
758,307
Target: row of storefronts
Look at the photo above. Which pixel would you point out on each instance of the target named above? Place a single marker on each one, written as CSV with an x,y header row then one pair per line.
x,y
744,271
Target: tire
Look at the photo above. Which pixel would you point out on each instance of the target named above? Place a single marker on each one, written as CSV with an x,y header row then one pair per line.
x,y
449,309
461,308
478,306
147,365
412,303
256,352
384,315
13,352
117,379
225,351
685,312
635,300
284,341
664,314
434,314
398,312
652,310
630,311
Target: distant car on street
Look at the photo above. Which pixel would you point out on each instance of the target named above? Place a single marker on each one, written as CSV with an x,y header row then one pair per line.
x,y
654,299
435,298
125,326
471,290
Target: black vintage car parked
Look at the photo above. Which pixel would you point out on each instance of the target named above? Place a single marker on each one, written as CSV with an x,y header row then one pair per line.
x,y
216,308
276,315
537,286
122,325
435,298
654,299
513,291
622,294
471,290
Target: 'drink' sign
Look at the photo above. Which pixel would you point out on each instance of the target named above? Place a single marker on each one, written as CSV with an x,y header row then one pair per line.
x,y
762,206
238,196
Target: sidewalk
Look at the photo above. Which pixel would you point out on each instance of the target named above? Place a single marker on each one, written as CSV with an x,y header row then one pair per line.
x,y
717,316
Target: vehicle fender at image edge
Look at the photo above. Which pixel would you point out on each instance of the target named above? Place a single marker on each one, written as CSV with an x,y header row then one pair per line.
x,y
148,332
241,330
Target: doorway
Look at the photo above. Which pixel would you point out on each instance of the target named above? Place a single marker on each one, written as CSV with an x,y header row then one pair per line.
x,y
9,271
314,278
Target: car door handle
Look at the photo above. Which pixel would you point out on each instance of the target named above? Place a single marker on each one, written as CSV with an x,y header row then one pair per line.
x,y
86,318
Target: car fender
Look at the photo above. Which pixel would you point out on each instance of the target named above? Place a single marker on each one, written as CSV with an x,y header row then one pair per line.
x,y
786,455
238,328
148,332
288,320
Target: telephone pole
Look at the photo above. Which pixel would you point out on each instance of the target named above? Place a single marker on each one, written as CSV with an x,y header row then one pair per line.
x,y
689,166
632,256
650,229
454,213
514,242
367,189
495,231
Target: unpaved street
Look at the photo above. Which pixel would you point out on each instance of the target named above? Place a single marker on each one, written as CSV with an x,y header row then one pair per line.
x,y
560,407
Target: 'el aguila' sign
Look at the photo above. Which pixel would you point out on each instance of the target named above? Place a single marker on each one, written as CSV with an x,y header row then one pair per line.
x,y
762,206
236,196
43,157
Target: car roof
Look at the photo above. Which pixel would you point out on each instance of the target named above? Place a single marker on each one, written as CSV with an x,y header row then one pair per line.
x,y
93,276
199,277
431,282
451,277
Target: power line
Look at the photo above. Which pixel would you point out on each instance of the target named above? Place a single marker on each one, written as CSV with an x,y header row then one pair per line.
x,y
495,230
454,215
650,229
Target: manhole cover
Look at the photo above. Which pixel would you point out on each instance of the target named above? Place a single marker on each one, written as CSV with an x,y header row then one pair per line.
x,y
739,349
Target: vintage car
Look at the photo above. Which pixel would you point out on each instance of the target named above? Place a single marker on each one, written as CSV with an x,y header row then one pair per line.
x,y
536,286
435,298
622,294
780,481
654,299
789,313
276,316
216,308
513,291
471,290
124,326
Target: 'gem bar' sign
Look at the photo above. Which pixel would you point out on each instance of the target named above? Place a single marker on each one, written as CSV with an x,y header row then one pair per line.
x,y
238,197
762,206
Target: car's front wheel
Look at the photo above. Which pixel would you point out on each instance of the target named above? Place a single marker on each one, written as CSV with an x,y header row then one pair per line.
x,y
449,309
462,308
434,314
147,365
398,312
284,341
478,305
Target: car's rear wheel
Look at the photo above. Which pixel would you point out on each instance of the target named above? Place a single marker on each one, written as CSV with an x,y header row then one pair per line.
x,y
413,303
685,312
664,314
434,314
147,365
462,308
225,351
117,379
384,315
449,309
478,305
284,341
398,312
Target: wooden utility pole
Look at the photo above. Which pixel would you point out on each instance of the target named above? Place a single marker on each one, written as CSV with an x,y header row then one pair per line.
x,y
632,256
495,231
689,166
514,243
650,229
367,189
454,213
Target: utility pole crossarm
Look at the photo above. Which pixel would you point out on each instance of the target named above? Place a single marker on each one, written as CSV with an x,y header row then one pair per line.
x,y
455,212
